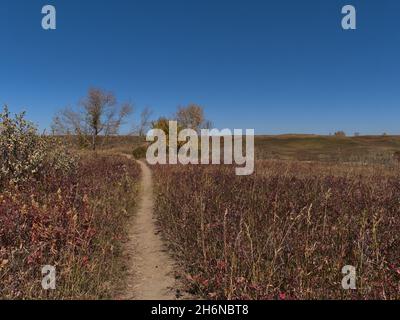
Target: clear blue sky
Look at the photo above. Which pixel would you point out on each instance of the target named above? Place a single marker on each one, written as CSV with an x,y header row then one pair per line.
x,y
275,66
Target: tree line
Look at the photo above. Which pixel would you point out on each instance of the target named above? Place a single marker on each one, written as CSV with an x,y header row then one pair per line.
x,y
99,114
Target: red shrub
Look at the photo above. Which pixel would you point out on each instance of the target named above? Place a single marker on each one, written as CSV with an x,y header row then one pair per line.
x,y
69,222
285,232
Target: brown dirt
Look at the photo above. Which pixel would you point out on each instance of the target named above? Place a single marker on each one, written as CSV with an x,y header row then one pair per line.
x,y
151,269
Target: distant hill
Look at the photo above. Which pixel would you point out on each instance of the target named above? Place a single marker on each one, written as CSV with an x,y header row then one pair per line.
x,y
306,147
327,148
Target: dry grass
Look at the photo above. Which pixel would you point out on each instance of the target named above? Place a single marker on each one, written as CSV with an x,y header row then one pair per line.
x,y
74,222
112,144
285,232
377,149
371,149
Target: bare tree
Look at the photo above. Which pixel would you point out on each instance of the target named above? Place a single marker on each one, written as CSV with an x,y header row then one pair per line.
x,y
99,114
192,117
208,124
145,122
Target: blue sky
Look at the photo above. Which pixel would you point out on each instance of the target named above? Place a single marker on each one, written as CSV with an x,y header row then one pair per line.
x,y
276,66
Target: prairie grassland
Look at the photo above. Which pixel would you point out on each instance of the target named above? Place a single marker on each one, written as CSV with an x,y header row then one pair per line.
x,y
74,222
111,144
284,233
367,149
371,149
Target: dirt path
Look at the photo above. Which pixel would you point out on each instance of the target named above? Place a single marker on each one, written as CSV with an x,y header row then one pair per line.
x,y
151,270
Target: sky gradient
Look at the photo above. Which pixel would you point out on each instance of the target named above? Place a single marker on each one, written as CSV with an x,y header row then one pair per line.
x,y
275,66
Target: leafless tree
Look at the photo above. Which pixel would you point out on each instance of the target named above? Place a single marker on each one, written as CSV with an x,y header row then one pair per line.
x,y
145,122
99,114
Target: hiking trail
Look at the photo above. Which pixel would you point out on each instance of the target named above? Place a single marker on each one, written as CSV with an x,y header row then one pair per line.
x,y
151,269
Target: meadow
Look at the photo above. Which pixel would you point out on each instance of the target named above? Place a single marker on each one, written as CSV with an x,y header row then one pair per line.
x,y
314,205
61,208
287,231
73,222
361,149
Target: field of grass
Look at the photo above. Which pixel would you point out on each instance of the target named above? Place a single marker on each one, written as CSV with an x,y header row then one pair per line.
x,y
74,222
371,149
111,144
285,232
314,205
377,149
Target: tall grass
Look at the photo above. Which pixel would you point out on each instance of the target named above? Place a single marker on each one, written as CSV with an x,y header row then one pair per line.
x,y
285,232
74,222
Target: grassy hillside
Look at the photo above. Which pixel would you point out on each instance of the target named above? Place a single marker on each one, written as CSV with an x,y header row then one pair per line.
x,y
296,147
327,148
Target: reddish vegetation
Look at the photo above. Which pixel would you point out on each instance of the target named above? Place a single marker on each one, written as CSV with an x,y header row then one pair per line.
x,y
72,221
285,232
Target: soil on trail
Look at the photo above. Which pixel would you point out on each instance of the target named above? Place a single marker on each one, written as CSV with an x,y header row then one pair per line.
x,y
150,270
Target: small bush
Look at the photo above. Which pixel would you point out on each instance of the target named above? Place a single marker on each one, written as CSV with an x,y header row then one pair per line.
x,y
140,152
340,134
25,155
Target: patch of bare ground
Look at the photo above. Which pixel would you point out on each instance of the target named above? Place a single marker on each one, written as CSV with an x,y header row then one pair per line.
x,y
151,271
